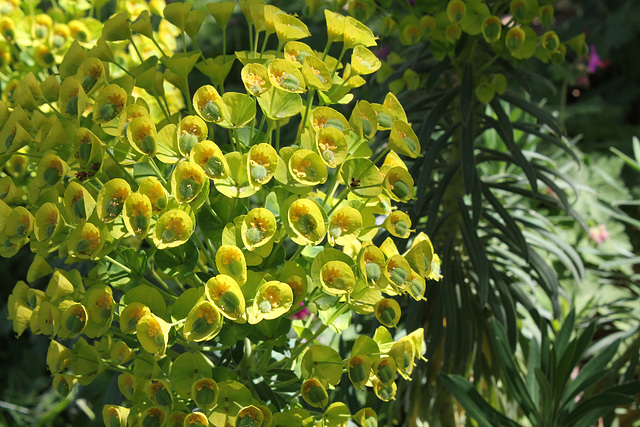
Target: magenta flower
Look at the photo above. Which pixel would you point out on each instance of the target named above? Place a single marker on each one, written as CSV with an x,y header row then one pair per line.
x,y
599,234
302,314
595,61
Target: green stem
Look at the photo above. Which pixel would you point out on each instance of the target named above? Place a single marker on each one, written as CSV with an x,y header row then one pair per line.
x,y
204,249
342,52
123,69
224,44
153,39
153,165
326,50
136,49
341,197
306,112
166,114
297,254
264,44
121,166
277,136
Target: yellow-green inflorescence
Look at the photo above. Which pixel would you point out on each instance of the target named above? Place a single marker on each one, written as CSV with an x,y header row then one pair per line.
x,y
167,221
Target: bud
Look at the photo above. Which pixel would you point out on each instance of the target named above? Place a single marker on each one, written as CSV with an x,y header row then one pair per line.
x,y
314,393
456,11
491,29
515,38
546,15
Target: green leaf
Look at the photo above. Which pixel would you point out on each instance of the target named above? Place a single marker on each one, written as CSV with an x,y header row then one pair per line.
x,y
531,108
475,249
278,104
242,108
186,369
603,401
148,296
466,95
467,155
430,122
473,403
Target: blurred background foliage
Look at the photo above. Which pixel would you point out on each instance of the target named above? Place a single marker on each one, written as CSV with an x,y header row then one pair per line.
x,y
539,237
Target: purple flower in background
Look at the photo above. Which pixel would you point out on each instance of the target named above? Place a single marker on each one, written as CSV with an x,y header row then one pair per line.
x,y
595,61
302,314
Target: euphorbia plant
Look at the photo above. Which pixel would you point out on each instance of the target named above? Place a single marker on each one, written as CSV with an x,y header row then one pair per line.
x,y
173,227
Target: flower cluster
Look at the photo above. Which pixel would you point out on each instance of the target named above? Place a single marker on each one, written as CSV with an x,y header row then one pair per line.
x,y
159,218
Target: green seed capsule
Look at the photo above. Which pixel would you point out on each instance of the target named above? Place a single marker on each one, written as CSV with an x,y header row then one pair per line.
x,y
235,268
187,189
88,82
187,141
58,41
416,287
48,58
384,120
72,106
79,210
163,397
335,123
335,231
9,140
148,144
398,276
51,176
74,324
169,236
211,110
63,387
229,302
254,235
317,394
385,373
367,127
258,173
214,167
401,189
83,245
373,271
289,82
108,112
410,143
328,156
84,150
264,306
401,227
357,373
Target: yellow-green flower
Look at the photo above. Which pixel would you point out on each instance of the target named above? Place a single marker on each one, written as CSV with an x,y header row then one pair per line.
x,y
128,385
137,214
51,170
296,52
159,392
258,227
363,61
111,199
307,167
153,189
209,105
261,164
323,117
154,416
398,224
344,226
196,419
272,300
332,145
385,368
231,261
285,75
116,416
187,181
48,319
357,34
86,241
337,278
130,315
191,130
306,219
48,222
172,229
73,319
358,370
397,270
91,74
210,158
255,78
387,312
203,322
403,140
316,73
88,148
314,393
399,184
20,223
100,304
78,202
142,135
205,393
109,103
384,392
289,28
153,333
225,293
63,383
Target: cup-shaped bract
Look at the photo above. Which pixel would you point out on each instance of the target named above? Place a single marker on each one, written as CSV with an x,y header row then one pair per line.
x,y
191,130
63,383
78,202
153,333
91,74
403,140
187,181
404,356
324,117
111,199
110,102
88,148
344,226
210,158
73,319
397,270
296,52
387,312
371,264
72,99
399,184
359,370
128,385
363,120
173,229
195,419
48,318
289,28
420,255
115,416
332,145
357,34
314,393
226,294
295,276
366,417
221,12
258,227
363,61
255,78
398,224
153,416
159,392
130,315
100,304
316,73
203,322
261,164
307,167
384,392
157,194
491,29
284,75
416,286
143,136
515,38
86,241
20,223
385,369
337,278
209,105
48,222
231,261
306,220
250,416
137,214
272,300
205,393
176,419
51,170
